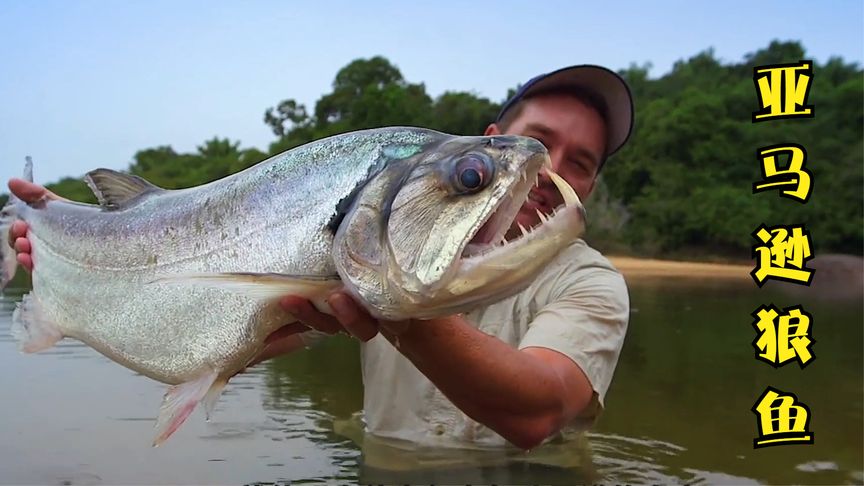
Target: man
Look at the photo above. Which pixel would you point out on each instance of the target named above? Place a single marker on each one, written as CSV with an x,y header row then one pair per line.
x,y
518,371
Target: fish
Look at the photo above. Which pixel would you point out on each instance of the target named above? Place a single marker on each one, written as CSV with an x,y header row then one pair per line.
x,y
182,285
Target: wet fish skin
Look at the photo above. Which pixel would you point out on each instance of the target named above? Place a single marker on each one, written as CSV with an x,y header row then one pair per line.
x,y
85,256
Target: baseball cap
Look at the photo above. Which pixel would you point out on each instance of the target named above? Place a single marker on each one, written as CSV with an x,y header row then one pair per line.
x,y
602,82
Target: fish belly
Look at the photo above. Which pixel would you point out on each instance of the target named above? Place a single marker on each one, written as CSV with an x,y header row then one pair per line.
x,y
168,332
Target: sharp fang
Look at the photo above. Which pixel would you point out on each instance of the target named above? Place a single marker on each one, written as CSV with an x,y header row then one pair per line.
x,y
524,231
570,197
542,216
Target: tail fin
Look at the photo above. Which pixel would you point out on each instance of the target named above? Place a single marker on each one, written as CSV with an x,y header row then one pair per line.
x,y
8,215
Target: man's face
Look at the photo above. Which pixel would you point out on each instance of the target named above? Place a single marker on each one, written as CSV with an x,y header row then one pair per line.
x,y
575,135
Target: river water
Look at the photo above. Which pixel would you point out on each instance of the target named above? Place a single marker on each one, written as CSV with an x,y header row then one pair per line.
x,y
679,410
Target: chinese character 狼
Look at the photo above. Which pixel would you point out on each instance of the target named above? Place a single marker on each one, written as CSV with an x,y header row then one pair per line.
x,y
783,337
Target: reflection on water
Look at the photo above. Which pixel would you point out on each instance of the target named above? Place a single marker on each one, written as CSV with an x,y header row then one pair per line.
x,y
679,411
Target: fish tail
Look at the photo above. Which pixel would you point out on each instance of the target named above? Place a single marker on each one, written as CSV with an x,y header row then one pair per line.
x,y
8,215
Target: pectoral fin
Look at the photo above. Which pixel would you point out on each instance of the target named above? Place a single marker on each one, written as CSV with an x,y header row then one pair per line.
x,y
212,397
260,285
179,402
33,330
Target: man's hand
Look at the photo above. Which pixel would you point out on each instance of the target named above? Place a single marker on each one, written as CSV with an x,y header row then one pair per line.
x,y
348,316
30,193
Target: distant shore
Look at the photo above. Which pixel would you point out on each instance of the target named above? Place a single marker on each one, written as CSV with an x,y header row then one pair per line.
x,y
632,267
836,276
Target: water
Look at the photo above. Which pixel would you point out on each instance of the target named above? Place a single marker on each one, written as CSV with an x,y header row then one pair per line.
x,y
678,410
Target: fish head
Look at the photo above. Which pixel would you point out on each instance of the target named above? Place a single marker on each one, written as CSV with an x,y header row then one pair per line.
x,y
425,235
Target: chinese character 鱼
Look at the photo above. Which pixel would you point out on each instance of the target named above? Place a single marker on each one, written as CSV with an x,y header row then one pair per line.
x,y
782,419
783,336
782,254
793,175
783,91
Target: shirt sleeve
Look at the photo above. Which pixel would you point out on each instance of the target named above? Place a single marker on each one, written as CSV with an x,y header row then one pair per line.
x,y
586,319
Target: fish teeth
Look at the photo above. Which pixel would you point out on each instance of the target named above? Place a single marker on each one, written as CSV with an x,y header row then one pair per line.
x,y
542,216
524,231
570,197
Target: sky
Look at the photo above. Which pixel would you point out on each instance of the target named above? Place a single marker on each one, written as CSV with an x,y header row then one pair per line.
x,y
86,84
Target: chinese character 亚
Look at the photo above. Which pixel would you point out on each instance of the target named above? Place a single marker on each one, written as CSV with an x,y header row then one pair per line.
x,y
783,336
782,255
782,419
783,91
793,175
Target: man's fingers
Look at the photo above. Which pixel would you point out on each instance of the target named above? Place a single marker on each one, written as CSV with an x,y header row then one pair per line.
x,y
25,260
29,191
22,245
306,313
354,318
18,230
286,331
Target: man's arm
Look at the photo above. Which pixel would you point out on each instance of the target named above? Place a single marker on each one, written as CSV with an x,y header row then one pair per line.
x,y
523,395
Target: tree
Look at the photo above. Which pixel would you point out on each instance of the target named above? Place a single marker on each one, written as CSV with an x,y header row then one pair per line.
x,y
288,114
369,93
462,113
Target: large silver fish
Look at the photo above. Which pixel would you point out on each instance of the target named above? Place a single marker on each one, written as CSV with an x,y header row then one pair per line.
x,y
181,285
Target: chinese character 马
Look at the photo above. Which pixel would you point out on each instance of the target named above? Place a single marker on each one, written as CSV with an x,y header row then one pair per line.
x,y
793,175
782,419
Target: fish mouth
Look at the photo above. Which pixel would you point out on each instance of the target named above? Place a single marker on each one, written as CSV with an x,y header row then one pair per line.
x,y
490,236
491,267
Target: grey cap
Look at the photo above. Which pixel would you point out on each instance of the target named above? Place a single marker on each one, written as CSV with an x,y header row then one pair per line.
x,y
606,84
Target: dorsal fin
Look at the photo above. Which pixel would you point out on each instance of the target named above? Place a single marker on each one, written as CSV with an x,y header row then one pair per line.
x,y
113,188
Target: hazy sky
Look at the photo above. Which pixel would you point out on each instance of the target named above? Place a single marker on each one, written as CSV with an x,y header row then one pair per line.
x,y
85,84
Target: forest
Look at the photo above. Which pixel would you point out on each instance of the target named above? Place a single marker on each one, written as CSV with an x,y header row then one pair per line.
x,y
681,187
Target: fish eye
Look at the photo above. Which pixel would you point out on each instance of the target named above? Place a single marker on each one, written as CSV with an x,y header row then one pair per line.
x,y
471,173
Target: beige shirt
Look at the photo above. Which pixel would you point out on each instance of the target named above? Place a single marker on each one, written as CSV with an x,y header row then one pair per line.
x,y
578,306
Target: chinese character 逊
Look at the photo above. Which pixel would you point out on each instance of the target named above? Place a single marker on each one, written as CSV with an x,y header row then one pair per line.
x,y
782,419
782,255
783,91
783,337
793,175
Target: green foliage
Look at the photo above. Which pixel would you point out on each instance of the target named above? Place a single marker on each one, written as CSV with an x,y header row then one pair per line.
x,y
462,113
72,188
686,176
683,183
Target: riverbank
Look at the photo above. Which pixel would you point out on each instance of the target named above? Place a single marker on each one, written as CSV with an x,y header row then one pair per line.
x,y
632,267
835,276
